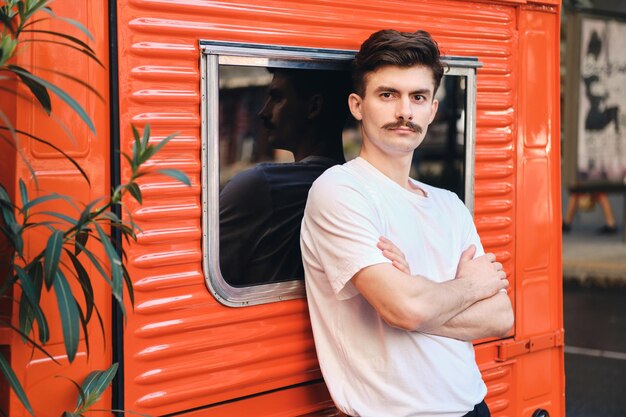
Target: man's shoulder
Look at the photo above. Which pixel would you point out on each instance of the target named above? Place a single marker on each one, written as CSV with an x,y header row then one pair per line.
x,y
338,176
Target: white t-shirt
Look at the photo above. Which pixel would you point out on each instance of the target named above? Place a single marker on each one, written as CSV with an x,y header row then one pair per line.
x,y
371,368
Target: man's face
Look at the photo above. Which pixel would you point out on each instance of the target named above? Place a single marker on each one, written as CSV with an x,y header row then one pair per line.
x,y
397,107
283,114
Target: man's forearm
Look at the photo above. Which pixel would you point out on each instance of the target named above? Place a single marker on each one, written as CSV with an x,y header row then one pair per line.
x,y
486,318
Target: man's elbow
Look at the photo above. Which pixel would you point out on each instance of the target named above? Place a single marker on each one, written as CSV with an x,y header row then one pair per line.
x,y
407,318
505,324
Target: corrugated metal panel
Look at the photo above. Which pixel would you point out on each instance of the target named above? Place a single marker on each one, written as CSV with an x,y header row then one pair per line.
x,y
44,376
183,349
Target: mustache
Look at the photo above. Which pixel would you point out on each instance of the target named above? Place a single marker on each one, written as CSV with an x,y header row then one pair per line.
x,y
400,123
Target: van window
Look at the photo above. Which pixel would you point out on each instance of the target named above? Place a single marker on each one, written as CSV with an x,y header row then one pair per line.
x,y
274,119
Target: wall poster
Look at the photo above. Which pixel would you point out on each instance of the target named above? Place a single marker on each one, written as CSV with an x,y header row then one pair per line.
x,y
601,156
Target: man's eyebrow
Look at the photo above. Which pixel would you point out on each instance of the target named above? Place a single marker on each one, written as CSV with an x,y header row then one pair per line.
x,y
423,91
387,89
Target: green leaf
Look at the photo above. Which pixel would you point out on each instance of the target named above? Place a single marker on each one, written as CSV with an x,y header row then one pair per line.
x,y
146,137
52,257
38,89
128,159
23,192
81,394
135,192
81,240
137,150
14,383
13,230
164,142
84,51
109,215
62,35
68,310
7,46
72,78
58,215
94,386
85,283
176,174
86,213
56,148
34,7
27,314
31,289
96,263
43,199
129,285
78,25
83,324
31,342
116,264
60,93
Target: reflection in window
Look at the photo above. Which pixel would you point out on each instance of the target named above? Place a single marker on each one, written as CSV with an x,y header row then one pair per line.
x,y
279,129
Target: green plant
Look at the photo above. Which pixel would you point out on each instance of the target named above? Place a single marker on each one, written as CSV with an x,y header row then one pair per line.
x,y
69,252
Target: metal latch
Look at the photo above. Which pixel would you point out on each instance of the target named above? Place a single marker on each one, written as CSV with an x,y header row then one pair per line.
x,y
511,348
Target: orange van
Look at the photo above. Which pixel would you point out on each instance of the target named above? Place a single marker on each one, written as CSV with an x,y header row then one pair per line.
x,y
196,344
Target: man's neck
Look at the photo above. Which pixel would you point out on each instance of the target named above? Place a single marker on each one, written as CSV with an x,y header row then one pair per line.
x,y
320,146
395,167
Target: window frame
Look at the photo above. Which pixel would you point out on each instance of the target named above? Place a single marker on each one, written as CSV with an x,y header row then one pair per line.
x,y
214,53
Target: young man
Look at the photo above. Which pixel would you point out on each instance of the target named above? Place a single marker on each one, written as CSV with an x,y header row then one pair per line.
x,y
389,342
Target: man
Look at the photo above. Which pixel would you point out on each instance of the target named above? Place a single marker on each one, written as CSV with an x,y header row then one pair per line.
x,y
261,208
392,343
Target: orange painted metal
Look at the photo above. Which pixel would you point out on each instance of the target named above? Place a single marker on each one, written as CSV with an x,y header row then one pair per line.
x,y
44,381
184,351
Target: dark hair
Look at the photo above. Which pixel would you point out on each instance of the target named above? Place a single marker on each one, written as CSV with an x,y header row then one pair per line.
x,y
401,49
334,86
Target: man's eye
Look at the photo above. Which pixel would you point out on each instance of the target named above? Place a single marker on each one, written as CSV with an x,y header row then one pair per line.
x,y
419,97
385,95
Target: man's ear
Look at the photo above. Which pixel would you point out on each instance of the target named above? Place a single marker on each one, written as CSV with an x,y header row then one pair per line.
x,y
433,110
315,106
354,102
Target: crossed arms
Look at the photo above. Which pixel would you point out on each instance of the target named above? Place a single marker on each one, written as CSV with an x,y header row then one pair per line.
x,y
468,307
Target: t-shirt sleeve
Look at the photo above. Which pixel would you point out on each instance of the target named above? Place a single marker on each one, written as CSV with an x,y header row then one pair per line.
x,y
340,231
468,228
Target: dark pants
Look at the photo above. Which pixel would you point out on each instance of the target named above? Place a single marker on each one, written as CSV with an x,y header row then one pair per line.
x,y
480,410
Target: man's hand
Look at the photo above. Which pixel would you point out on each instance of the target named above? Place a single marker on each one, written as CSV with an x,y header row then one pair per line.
x,y
485,274
394,254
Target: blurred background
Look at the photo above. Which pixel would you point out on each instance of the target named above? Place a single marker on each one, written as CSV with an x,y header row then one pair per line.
x,y
593,98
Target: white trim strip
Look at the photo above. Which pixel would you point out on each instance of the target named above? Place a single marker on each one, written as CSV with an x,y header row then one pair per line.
x,y
575,350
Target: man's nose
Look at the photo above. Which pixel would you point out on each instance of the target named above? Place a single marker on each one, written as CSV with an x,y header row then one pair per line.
x,y
404,109
264,112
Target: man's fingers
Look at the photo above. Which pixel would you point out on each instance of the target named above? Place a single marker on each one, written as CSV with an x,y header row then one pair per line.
x,y
394,254
401,266
386,244
468,254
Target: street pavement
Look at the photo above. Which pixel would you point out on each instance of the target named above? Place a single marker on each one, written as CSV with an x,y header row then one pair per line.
x,y
594,310
595,259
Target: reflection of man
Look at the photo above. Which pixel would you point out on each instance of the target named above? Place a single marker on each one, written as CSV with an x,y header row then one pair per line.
x,y
261,208
392,343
